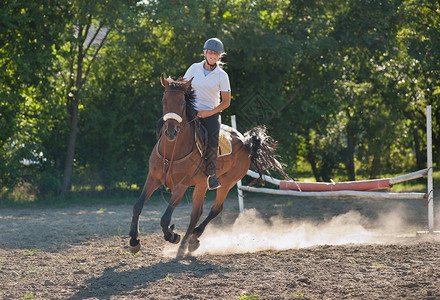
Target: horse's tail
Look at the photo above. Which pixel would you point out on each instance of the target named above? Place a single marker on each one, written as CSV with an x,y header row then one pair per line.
x,y
262,151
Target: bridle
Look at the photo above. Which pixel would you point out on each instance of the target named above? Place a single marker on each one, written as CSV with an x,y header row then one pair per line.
x,y
179,118
172,115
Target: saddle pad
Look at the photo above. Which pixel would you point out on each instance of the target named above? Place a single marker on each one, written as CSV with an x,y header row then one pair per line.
x,y
224,143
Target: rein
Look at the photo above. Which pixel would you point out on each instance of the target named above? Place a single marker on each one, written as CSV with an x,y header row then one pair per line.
x,y
171,161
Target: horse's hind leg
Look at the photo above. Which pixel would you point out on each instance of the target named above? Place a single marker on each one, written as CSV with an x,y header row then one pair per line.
x,y
151,184
222,192
165,221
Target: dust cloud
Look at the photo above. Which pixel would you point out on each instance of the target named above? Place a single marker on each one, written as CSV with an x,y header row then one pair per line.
x,y
251,233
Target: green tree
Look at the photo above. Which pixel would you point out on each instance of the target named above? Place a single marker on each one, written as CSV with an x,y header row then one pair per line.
x,y
420,35
365,41
86,37
304,122
29,35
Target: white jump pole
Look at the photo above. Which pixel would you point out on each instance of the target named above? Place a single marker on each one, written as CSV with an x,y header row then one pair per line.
x,y
239,190
430,170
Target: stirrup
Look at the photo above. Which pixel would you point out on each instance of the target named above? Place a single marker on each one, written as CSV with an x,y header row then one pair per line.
x,y
215,184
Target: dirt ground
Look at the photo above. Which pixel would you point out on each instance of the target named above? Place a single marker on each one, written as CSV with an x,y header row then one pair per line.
x,y
281,248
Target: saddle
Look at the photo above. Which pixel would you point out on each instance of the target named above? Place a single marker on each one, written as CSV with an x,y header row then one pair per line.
x,y
224,141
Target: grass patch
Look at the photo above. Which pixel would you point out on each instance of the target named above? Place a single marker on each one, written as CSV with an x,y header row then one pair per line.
x,y
249,297
104,197
62,202
298,295
168,278
30,252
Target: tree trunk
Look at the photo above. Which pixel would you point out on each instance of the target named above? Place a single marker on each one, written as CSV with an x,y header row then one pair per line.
x,y
68,165
349,164
78,82
435,146
311,157
419,162
73,111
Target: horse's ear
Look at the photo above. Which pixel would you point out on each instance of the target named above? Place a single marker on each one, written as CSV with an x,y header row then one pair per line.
x,y
188,83
165,82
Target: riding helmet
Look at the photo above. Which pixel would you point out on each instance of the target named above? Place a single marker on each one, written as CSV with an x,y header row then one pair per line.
x,y
214,44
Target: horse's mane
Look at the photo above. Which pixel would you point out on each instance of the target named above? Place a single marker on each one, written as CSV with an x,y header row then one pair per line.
x,y
190,97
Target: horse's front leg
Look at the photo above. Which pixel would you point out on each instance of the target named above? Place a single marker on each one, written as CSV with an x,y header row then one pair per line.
x,y
198,198
151,184
168,231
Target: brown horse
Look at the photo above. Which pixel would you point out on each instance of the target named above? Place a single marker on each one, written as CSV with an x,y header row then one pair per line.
x,y
176,163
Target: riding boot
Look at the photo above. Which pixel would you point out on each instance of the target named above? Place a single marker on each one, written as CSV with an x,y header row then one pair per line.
x,y
211,167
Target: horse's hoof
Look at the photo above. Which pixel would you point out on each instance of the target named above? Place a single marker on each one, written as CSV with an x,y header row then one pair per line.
x,y
135,246
180,253
193,246
176,238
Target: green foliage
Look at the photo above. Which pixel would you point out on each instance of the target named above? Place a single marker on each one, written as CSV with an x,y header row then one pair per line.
x,y
28,37
341,84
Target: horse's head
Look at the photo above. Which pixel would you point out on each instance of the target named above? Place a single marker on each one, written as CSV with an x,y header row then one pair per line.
x,y
174,105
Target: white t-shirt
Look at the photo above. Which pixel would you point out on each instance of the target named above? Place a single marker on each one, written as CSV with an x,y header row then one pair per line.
x,y
207,88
